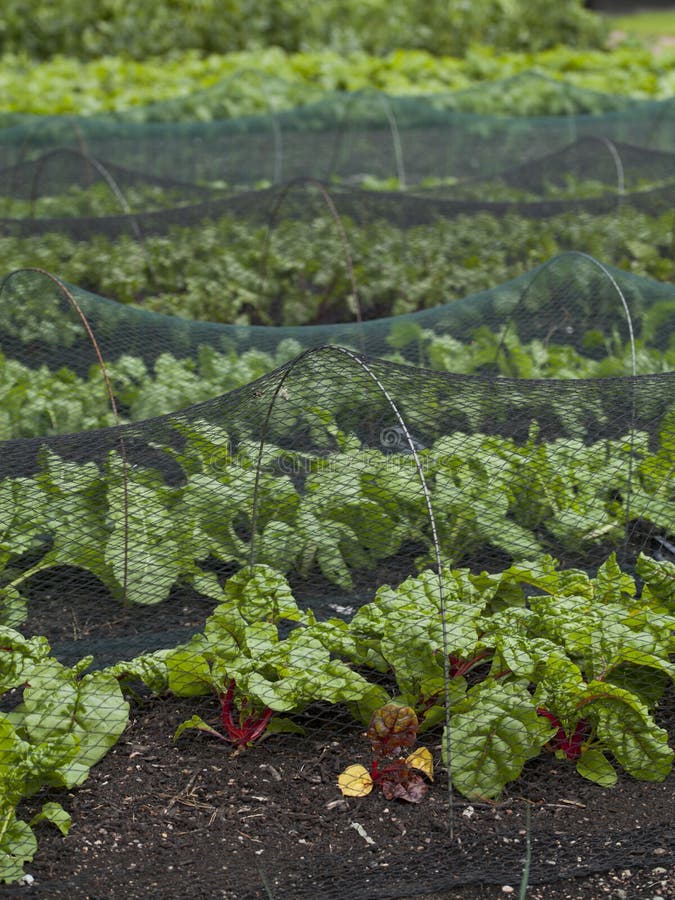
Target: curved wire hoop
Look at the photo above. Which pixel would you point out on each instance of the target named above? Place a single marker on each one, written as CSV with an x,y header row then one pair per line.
x,y
360,362
71,300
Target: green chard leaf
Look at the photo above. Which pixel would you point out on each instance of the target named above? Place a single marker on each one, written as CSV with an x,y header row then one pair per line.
x,y
262,594
18,846
18,656
189,672
594,766
612,585
53,812
58,705
626,728
75,496
493,732
659,578
149,546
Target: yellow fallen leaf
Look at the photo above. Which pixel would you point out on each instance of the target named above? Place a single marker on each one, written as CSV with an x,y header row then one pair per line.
x,y
422,760
355,781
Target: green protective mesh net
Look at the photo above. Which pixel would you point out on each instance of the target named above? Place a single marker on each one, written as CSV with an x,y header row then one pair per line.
x,y
344,481
351,474
361,206
573,317
347,135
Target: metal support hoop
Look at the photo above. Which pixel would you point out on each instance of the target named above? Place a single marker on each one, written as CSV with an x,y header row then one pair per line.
x,y
362,363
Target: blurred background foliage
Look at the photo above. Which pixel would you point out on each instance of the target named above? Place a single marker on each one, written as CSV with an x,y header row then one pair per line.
x,y
188,85
138,29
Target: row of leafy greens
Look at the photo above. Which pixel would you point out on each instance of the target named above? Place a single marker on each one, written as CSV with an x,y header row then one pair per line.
x,y
554,653
186,87
40,401
332,511
233,270
60,199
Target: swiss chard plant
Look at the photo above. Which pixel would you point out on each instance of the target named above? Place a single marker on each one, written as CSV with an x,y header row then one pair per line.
x,y
65,722
532,659
242,659
536,659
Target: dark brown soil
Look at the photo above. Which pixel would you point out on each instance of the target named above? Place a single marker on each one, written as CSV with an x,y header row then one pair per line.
x,y
194,820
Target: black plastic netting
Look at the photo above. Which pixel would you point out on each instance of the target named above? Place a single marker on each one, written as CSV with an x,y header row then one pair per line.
x,y
434,530
50,192
71,193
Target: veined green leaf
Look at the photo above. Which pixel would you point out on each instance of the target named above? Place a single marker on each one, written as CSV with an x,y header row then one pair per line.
x,y
637,657
281,695
594,765
524,656
91,709
559,689
149,668
13,607
262,593
493,732
198,723
17,847
19,656
147,549
627,729
659,578
75,496
189,673
612,585
54,813
282,725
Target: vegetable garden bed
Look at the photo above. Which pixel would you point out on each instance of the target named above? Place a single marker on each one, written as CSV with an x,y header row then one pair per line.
x,y
272,820
351,627
306,480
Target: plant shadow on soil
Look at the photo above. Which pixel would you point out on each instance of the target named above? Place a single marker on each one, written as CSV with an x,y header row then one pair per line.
x,y
192,819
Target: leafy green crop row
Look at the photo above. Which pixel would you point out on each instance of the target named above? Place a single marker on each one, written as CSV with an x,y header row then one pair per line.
x,y
578,651
100,199
231,271
139,535
560,662
40,402
92,28
185,86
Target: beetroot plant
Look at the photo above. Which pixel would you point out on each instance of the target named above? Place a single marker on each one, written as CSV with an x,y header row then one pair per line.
x,y
392,729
